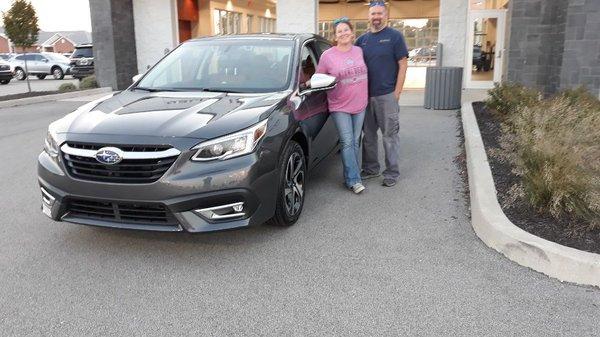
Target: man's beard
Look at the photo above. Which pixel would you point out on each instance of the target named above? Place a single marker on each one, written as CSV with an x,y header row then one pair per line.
x,y
377,24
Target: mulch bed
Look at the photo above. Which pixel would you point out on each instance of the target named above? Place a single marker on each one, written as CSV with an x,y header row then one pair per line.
x,y
521,214
28,94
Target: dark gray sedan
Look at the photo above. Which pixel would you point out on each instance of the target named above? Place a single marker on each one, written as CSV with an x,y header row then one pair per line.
x,y
219,134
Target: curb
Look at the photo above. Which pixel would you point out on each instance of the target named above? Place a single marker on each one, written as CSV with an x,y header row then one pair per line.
x,y
493,227
53,97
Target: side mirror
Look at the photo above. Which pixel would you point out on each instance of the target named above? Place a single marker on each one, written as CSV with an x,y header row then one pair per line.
x,y
136,77
320,82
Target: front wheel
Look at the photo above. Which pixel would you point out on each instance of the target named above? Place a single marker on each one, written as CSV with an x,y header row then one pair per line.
x,y
291,192
4,81
57,73
20,74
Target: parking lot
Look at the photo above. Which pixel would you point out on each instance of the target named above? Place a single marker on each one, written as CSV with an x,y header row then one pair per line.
x,y
48,84
392,261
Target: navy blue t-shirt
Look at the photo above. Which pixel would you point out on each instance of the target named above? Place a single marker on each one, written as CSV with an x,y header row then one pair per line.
x,y
382,51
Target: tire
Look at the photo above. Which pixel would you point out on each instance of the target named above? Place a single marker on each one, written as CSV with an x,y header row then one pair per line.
x,y
4,81
41,77
58,73
291,191
20,74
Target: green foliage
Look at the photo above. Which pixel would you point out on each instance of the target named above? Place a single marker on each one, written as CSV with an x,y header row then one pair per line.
x,y
554,147
508,98
21,24
88,82
67,87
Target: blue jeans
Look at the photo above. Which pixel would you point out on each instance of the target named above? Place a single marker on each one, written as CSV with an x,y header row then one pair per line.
x,y
349,127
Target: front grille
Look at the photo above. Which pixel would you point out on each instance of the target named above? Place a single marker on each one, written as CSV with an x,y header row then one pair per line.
x,y
128,171
4,67
122,212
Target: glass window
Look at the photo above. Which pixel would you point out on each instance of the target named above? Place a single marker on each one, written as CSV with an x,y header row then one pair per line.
x,y
226,22
247,66
250,23
307,65
82,52
267,25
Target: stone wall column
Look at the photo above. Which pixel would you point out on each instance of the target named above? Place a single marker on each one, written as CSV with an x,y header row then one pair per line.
x,y
114,49
295,16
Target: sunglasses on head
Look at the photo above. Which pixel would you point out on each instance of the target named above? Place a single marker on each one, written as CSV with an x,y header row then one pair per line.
x,y
343,19
376,3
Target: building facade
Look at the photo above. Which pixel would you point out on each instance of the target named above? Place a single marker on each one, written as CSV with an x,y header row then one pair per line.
x,y
541,43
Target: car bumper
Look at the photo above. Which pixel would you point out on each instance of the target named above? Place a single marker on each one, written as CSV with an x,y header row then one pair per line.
x,y
188,197
82,71
6,75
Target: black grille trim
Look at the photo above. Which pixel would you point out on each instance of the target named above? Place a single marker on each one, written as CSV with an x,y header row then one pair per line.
x,y
128,171
121,212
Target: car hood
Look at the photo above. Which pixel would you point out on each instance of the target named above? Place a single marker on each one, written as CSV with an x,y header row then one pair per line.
x,y
199,115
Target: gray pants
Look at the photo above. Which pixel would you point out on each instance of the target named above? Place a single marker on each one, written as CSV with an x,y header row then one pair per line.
x,y
383,113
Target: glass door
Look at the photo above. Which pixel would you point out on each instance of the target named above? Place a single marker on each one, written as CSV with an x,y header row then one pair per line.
x,y
485,48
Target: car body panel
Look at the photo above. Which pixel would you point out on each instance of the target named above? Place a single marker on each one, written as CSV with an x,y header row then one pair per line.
x,y
182,120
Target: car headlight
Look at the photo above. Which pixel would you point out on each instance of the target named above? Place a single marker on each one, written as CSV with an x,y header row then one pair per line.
x,y
50,145
233,145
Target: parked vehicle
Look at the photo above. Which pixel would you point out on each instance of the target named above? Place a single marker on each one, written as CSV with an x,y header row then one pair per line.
x,y
6,73
219,134
6,56
82,61
40,65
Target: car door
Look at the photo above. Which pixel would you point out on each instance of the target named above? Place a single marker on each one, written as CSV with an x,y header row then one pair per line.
x,y
34,63
43,64
312,113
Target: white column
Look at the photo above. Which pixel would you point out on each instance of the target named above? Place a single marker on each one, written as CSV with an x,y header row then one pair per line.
x,y
297,16
453,31
156,30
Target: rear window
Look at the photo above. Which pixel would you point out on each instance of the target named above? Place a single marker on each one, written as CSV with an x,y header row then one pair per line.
x,y
82,52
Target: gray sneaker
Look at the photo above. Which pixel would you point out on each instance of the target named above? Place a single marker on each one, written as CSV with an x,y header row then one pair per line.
x,y
367,175
357,188
388,182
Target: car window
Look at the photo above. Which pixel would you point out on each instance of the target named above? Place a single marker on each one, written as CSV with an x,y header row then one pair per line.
x,y
307,64
20,57
239,65
82,52
39,58
322,47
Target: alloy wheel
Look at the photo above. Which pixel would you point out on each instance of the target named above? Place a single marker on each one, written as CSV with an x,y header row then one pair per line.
x,y
294,184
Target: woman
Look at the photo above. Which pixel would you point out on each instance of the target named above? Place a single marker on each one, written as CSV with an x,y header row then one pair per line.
x,y
348,100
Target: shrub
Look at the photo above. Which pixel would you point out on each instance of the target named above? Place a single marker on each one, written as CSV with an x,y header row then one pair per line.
x,y
509,98
554,147
88,82
67,87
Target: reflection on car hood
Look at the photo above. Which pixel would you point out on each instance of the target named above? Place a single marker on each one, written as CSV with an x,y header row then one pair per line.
x,y
171,114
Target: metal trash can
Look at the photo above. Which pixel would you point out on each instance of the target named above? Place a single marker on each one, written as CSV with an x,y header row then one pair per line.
x,y
443,88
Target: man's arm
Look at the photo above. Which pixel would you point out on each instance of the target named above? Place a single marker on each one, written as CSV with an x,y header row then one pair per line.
x,y
402,66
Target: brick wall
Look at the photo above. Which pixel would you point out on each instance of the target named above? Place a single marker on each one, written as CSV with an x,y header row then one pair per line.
x,y
63,46
4,47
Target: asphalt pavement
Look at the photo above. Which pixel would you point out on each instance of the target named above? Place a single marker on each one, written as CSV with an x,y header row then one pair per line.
x,y
392,261
48,84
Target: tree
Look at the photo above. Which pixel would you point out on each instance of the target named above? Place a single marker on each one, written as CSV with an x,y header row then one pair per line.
x,y
21,27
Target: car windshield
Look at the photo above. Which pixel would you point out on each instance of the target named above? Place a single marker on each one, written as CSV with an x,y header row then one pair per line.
x,y
235,65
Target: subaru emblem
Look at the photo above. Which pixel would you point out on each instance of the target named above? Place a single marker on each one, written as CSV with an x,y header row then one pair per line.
x,y
109,155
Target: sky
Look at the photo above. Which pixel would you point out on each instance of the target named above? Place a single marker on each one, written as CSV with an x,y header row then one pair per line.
x,y
56,15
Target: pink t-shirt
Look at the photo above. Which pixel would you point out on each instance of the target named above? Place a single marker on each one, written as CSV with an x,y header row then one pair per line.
x,y
352,92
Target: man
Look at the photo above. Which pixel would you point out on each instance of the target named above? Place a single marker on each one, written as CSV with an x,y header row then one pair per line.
x,y
385,54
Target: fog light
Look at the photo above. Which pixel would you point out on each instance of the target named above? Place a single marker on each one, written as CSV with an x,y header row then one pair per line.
x,y
229,211
47,198
47,202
